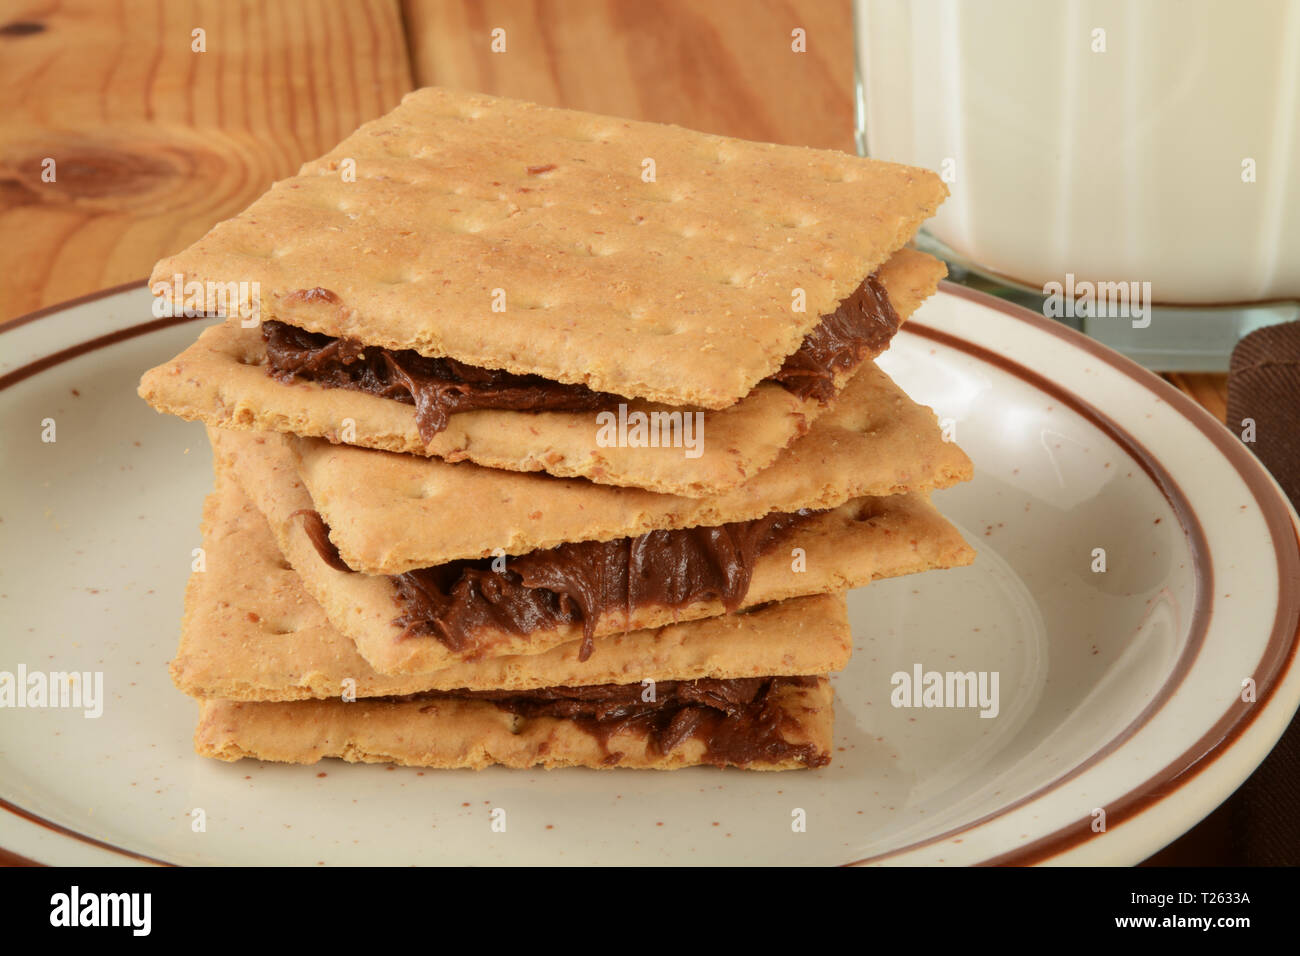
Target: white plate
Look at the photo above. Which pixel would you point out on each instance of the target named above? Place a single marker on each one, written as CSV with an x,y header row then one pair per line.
x,y
1119,691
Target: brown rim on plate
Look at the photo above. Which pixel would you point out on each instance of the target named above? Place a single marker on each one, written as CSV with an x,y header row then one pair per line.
x,y
81,348
1230,726
1278,653
8,325
14,859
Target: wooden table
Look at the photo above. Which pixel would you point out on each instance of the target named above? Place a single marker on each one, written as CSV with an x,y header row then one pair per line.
x,y
154,142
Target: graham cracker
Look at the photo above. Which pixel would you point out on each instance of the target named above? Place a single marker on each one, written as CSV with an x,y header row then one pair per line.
x,y
680,290
388,513
221,380
850,546
474,734
252,632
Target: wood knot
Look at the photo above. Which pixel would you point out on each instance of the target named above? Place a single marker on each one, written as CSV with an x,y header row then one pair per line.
x,y
88,170
21,28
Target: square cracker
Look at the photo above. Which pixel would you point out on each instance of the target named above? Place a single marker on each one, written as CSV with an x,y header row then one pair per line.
x,y
252,632
847,547
680,290
470,734
388,513
221,380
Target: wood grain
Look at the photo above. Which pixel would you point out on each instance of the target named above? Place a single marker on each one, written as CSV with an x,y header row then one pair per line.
x,y
1209,390
722,66
154,143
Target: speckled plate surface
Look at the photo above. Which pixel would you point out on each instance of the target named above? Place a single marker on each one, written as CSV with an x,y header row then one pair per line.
x,y
1120,718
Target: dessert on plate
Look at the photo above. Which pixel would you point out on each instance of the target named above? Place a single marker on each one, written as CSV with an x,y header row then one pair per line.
x,y
546,438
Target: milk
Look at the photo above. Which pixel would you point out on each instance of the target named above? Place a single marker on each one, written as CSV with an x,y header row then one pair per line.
x,y
1151,140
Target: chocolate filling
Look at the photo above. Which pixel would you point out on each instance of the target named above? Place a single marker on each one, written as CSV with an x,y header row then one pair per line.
x,y
736,719
580,581
319,533
437,387
583,581
860,326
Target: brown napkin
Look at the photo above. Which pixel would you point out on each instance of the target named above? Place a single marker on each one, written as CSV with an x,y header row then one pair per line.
x,y
1264,384
1259,825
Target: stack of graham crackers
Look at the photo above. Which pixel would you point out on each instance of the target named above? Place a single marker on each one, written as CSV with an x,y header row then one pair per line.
x,y
546,438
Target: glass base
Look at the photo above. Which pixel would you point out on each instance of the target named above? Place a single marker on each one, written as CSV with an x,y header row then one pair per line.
x,y
1180,338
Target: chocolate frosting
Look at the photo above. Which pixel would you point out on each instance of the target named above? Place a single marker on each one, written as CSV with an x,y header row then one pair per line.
x,y
576,581
437,387
734,718
319,533
585,580
860,326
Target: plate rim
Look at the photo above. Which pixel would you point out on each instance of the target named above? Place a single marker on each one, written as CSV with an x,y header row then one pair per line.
x,y
1278,653
1279,516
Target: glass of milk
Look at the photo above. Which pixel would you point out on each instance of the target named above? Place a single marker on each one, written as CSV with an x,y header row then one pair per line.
x,y
1148,146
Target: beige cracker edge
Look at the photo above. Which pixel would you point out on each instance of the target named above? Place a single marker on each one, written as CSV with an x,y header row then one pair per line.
x,y
448,734
221,380
848,547
252,632
387,512
680,291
